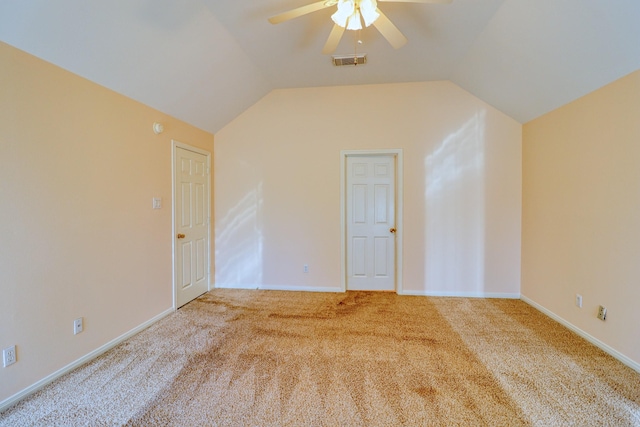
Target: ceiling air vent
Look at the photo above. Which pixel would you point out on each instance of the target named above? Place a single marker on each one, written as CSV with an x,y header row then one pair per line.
x,y
339,60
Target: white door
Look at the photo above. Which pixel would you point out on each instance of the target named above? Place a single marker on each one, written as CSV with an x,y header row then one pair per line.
x,y
370,221
192,224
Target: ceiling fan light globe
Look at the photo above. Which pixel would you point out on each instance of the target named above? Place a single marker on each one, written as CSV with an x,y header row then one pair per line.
x,y
368,11
346,8
354,22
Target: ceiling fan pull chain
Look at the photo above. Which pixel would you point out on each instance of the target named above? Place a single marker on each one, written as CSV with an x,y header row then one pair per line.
x,y
356,41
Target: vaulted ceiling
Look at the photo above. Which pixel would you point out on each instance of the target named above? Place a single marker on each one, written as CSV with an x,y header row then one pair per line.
x,y
206,61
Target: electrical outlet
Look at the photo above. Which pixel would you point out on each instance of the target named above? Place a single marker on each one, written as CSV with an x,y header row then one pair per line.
x,y
579,300
77,325
602,313
9,356
305,268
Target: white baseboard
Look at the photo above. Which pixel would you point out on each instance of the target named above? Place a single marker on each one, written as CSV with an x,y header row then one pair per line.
x,y
424,293
280,287
10,401
604,347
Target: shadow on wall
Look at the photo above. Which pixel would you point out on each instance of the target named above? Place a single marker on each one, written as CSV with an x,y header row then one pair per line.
x,y
454,211
240,234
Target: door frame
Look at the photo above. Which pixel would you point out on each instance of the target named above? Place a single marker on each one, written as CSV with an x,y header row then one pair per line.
x,y
397,154
174,146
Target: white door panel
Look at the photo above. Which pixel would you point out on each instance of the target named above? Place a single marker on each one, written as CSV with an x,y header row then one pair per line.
x,y
192,225
370,217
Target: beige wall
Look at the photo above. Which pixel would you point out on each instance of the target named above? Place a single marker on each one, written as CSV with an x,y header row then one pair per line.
x,y
581,213
277,186
79,166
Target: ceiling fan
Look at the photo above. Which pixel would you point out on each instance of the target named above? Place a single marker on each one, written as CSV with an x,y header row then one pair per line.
x,y
349,16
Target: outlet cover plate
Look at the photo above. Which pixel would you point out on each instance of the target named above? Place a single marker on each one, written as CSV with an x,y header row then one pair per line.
x,y
77,325
9,356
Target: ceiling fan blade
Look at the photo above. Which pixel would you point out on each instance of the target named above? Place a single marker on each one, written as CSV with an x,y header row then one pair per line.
x,y
294,13
418,1
333,40
389,31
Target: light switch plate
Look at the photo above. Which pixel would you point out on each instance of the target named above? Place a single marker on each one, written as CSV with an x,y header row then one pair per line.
x,y
157,203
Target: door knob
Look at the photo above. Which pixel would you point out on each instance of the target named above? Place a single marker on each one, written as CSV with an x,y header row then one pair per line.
x,y
392,230
180,236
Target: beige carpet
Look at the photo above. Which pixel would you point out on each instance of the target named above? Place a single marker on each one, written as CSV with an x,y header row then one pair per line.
x,y
267,358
